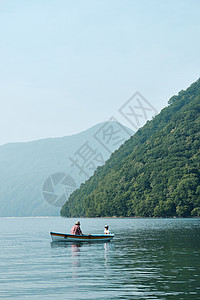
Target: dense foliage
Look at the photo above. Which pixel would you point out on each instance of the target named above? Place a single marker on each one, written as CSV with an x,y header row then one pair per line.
x,y
153,174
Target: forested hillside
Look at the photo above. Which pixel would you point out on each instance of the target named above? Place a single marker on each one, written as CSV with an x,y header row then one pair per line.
x,y
156,173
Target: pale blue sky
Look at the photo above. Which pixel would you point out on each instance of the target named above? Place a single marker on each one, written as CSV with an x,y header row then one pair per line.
x,y
67,65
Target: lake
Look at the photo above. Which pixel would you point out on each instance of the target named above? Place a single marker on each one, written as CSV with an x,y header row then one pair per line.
x,y
148,259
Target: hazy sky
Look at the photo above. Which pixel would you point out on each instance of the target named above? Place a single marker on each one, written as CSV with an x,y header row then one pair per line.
x,y
67,65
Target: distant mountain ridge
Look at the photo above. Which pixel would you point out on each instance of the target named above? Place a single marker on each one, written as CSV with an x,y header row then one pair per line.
x,y
36,176
156,173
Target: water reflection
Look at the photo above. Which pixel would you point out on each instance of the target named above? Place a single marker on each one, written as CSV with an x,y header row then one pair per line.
x,y
152,260
66,245
75,259
75,249
106,255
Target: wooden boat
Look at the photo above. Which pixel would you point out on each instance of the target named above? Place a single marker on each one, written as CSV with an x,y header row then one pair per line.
x,y
61,237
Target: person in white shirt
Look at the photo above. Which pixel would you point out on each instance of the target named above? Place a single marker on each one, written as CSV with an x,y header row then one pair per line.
x,y
106,231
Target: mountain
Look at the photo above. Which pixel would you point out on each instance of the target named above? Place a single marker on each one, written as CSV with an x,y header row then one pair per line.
x,y
156,173
37,177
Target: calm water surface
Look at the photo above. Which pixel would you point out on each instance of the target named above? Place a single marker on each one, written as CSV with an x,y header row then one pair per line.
x,y
148,259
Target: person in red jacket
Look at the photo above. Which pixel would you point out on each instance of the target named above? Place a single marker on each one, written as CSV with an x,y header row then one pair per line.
x,y
76,230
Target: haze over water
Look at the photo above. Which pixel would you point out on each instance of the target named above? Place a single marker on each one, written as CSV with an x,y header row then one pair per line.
x,y
148,259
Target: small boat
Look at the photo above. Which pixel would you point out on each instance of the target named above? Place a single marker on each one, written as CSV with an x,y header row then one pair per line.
x,y
61,237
